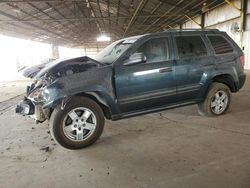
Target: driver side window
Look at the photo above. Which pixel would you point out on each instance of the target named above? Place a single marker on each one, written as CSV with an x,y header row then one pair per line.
x,y
155,50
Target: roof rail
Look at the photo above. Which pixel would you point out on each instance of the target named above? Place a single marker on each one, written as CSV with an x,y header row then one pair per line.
x,y
215,30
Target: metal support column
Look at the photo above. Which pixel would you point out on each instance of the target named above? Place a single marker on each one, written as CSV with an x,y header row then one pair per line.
x,y
203,20
244,12
191,19
55,51
181,26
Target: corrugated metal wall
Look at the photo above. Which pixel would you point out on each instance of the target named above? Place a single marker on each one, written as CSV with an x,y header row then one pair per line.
x,y
246,44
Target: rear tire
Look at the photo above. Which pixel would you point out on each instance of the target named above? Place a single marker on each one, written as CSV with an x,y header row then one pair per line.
x,y
78,125
217,101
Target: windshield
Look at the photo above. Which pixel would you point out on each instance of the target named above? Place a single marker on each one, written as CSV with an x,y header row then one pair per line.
x,y
115,50
112,52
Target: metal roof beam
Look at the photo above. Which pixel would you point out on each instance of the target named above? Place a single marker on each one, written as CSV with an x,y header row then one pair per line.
x,y
118,11
77,34
158,19
152,12
88,18
181,17
36,1
100,10
35,26
108,11
93,14
195,13
40,10
133,18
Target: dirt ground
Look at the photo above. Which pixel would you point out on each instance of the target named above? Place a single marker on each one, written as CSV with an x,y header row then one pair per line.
x,y
174,148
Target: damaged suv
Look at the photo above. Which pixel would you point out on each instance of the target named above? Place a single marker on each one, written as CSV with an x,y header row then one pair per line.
x,y
134,76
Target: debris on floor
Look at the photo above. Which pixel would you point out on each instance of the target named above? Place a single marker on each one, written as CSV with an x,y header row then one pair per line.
x,y
46,148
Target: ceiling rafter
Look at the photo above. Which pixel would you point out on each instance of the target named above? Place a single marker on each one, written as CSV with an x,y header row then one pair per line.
x,y
133,18
104,29
86,18
93,15
82,12
152,12
35,26
182,17
59,13
79,28
78,35
36,1
100,10
184,12
108,11
158,19
40,10
118,11
78,22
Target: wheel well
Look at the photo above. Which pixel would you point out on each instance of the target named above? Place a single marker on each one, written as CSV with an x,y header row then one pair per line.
x,y
227,80
104,108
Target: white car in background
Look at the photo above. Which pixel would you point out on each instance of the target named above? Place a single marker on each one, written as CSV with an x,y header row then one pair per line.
x,y
31,71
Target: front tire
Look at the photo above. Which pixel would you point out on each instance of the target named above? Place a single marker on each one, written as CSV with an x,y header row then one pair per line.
x,y
78,125
217,101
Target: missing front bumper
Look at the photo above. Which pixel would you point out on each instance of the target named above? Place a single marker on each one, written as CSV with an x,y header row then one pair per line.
x,y
25,107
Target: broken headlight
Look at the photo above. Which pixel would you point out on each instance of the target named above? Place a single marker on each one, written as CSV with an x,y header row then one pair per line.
x,y
37,95
39,92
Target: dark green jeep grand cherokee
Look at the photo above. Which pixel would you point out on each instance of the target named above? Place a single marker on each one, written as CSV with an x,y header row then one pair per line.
x,y
134,76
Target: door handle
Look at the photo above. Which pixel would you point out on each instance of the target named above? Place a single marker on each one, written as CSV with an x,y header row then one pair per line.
x,y
208,65
166,69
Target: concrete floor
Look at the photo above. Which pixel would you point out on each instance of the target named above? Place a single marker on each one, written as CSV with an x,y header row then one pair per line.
x,y
174,148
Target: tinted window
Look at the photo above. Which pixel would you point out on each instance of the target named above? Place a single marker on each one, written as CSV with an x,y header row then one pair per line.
x,y
190,46
220,45
155,50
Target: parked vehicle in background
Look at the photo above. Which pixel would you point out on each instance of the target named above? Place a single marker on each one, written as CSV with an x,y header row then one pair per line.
x,y
134,76
31,71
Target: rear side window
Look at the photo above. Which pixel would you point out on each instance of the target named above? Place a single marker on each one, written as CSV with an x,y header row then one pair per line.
x,y
190,46
220,45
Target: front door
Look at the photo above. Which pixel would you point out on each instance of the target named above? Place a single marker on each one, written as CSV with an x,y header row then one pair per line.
x,y
148,84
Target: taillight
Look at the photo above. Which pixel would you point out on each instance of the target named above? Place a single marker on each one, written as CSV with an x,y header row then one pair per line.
x,y
242,61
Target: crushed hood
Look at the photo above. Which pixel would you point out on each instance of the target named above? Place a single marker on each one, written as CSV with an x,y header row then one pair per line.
x,y
61,68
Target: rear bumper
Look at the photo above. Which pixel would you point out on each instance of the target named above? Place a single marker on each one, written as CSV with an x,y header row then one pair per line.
x,y
242,79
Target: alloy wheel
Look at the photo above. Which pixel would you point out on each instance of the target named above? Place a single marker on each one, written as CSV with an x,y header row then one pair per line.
x,y
219,102
79,124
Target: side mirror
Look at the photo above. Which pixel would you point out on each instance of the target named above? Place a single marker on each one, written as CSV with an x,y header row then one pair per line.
x,y
135,58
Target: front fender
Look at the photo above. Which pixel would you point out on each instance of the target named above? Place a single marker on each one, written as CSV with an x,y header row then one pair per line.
x,y
102,98
97,83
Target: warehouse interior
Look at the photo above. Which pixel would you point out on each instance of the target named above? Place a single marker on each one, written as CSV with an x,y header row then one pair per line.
x,y
172,148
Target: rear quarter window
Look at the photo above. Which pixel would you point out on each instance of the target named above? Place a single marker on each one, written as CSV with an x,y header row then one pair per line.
x,y
220,45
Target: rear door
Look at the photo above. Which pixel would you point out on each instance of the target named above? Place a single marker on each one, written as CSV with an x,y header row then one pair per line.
x,y
193,60
149,84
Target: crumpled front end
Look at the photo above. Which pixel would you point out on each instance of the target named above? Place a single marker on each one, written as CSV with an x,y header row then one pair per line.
x,y
47,90
25,107
35,102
